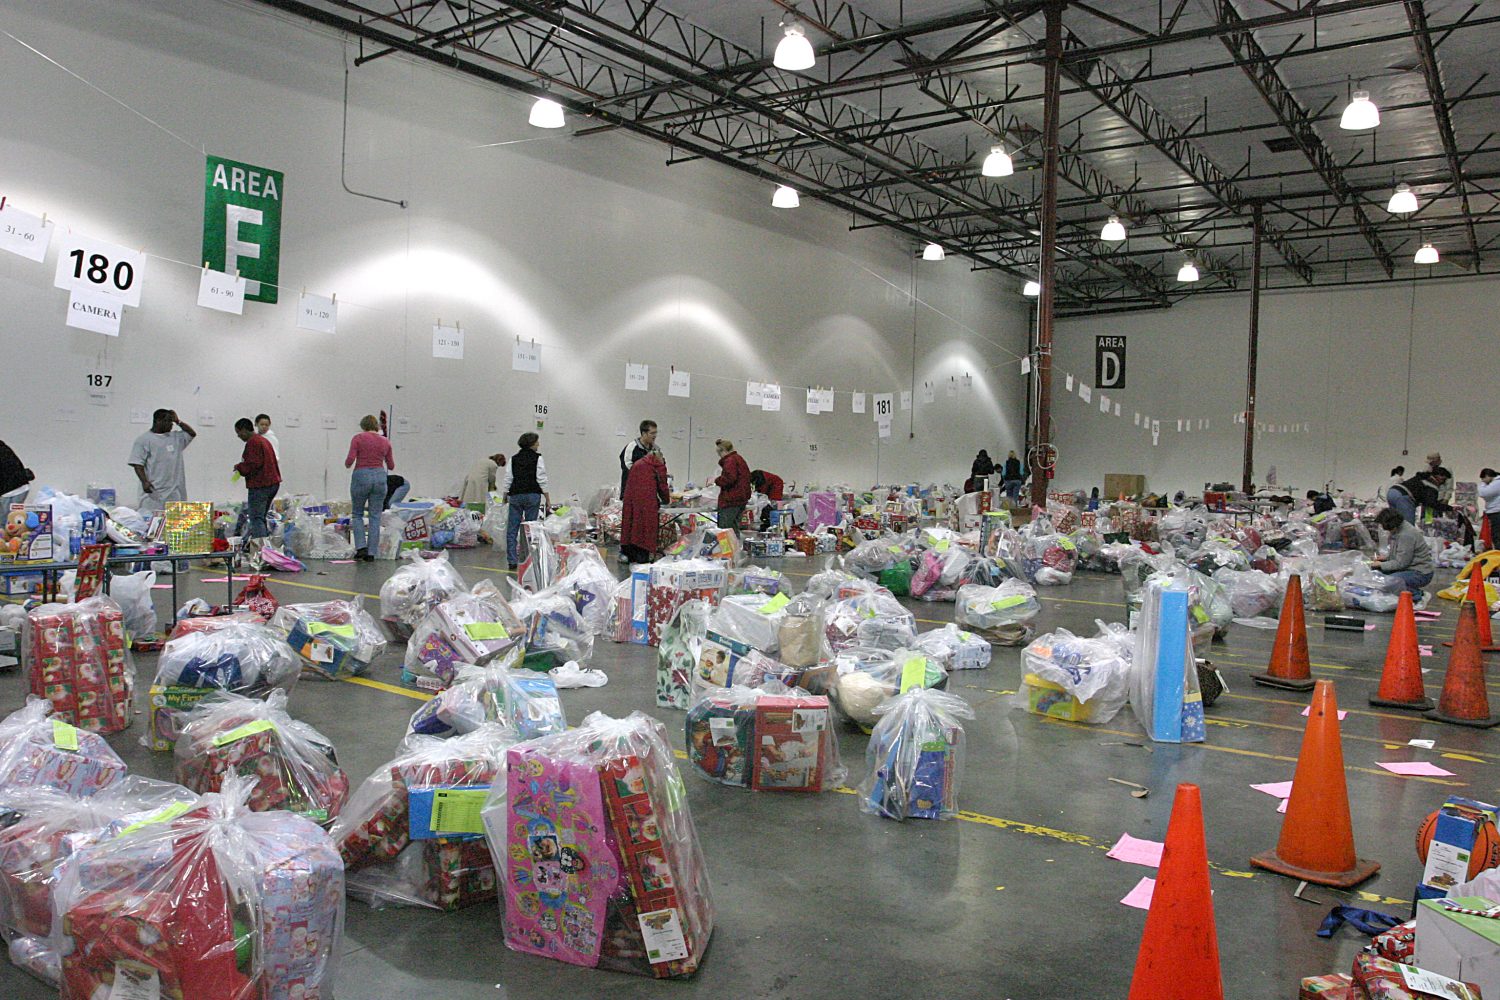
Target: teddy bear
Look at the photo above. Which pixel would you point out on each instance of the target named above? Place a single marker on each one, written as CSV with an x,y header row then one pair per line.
x,y
15,533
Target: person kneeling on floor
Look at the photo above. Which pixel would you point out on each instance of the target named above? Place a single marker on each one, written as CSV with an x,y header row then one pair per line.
x,y
1408,564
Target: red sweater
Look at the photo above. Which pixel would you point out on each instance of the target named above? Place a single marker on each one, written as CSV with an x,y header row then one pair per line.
x,y
775,488
734,483
258,463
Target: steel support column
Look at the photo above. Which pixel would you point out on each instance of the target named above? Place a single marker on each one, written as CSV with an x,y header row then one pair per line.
x,y
1252,363
1043,457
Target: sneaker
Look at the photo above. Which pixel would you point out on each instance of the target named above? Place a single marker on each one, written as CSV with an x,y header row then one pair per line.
x,y
367,557
1421,602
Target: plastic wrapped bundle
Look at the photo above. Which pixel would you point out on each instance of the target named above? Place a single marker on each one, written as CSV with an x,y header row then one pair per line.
x,y
602,863
415,589
916,757
589,584
1364,588
621,626
77,657
955,648
1072,678
1002,614
335,639
764,740
1050,559
287,763
757,580
235,656
41,752
1136,567
870,558
309,536
468,627
218,903
1251,593
1216,554
866,678
1164,675
677,655
725,662
872,619
1184,530
826,584
753,619
525,700
674,583
555,631
1321,576
799,637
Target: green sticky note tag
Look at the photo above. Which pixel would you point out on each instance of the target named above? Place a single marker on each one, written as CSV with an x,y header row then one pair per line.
x,y
482,631
1008,602
64,736
560,510
676,793
913,673
456,810
166,815
319,628
1066,543
1199,615
775,604
248,729
942,546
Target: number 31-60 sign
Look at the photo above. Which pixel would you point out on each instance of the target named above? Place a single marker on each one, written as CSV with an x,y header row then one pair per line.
x,y
90,265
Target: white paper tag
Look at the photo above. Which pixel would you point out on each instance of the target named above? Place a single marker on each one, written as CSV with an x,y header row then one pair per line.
x,y
1430,982
662,934
1103,403
134,981
885,405
883,426
637,377
94,312
317,313
448,342
221,292
722,731
859,402
814,402
526,357
1117,409
770,399
330,422
1069,383
680,384
1085,393
24,234
952,389
1025,366
905,399
319,651
754,394
809,720
91,265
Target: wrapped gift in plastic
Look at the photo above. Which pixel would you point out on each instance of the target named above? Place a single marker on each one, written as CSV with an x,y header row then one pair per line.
x,y
288,763
76,657
416,588
1377,978
1164,692
1068,677
335,639
799,637
1365,589
589,584
678,654
1251,593
676,582
1049,558
41,752
869,619
865,678
757,580
870,558
209,621
764,740
499,691
555,630
754,619
724,661
217,903
1002,614
708,542
468,627
1219,553
916,756
310,536
621,625
244,658
955,648
602,863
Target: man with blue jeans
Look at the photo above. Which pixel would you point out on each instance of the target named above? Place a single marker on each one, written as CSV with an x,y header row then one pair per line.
x,y
1408,564
525,488
1012,476
1420,490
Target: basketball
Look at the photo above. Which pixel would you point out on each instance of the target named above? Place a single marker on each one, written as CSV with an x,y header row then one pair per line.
x,y
1486,853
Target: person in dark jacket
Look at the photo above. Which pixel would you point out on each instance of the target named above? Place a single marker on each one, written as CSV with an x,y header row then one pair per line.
x,y
14,477
636,450
733,483
525,487
1321,502
646,490
773,488
1420,490
982,466
1012,477
262,476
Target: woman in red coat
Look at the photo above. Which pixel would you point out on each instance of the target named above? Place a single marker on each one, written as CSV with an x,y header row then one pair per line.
x,y
645,491
733,483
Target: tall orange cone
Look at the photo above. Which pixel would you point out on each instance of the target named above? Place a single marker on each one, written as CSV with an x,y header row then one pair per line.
x,y
1179,954
1481,602
1464,701
1401,682
1289,668
1317,836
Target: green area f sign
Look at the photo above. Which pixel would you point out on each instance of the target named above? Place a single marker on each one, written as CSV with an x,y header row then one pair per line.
x,y
242,224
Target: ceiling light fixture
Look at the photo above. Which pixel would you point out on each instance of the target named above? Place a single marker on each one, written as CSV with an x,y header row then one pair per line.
x,y
932,252
998,163
1426,255
794,51
1031,289
1113,231
1360,113
785,197
1403,202
546,113
1187,272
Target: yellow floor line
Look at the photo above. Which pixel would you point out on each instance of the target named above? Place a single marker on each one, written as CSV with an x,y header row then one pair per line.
x,y
1244,723
389,688
1218,656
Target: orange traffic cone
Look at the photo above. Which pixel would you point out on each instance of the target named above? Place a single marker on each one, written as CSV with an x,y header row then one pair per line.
x,y
1401,682
1317,836
1289,667
1464,701
1179,954
1481,602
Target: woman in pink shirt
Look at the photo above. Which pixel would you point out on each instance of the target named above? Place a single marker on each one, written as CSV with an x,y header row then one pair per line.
x,y
370,456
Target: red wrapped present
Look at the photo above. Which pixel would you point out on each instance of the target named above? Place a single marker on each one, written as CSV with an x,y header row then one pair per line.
x,y
1398,944
1377,978
76,658
460,873
1334,986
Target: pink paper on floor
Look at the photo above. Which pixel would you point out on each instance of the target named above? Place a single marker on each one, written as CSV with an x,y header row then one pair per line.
x,y
1280,789
1369,628
161,586
1134,851
1414,769
1140,896
1342,714
1424,650
1427,615
221,579
340,562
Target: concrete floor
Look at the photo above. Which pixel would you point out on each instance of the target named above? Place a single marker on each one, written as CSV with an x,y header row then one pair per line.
x,y
1014,900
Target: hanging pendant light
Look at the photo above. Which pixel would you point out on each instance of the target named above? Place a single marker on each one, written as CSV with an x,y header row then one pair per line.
x,y
932,252
1360,113
1031,289
997,163
794,51
546,113
1113,231
1187,272
785,197
1426,255
1402,202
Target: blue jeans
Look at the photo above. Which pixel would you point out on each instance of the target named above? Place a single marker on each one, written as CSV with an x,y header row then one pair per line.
x,y
1402,503
257,504
399,495
1012,489
523,507
1405,579
367,490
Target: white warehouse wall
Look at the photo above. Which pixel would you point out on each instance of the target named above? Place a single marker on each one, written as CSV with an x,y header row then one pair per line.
x,y
1332,358
590,245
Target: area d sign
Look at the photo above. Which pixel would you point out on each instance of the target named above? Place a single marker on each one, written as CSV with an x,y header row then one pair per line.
x,y
1109,362
242,224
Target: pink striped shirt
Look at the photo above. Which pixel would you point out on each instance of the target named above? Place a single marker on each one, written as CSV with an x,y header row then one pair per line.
x,y
368,450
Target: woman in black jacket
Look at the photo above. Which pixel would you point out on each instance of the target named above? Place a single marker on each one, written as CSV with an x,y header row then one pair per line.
x,y
14,477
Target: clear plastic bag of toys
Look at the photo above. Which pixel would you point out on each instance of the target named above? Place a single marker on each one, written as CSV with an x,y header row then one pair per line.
x,y
415,589
677,655
753,619
1069,677
1365,588
1251,593
865,678
499,691
1013,602
555,630
468,627
77,657
589,584
868,619
217,902
767,739
601,864
39,750
916,756
287,763
757,580
334,639
955,648
827,582
236,656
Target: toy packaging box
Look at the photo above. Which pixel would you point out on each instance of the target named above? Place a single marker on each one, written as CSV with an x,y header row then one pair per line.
x,y
792,737
335,639
189,526
28,533
1377,978
1459,823
1462,946
1333,986
168,704
916,756
76,658
720,730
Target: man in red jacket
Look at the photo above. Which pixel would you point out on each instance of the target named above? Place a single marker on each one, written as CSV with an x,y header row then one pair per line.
x,y
733,483
262,475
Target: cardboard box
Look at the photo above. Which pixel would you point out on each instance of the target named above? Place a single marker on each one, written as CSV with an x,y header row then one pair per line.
x,y
168,702
27,533
1459,945
1128,483
1459,823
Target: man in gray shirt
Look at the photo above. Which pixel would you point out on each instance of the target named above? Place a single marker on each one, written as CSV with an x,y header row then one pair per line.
x,y
156,457
1408,564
